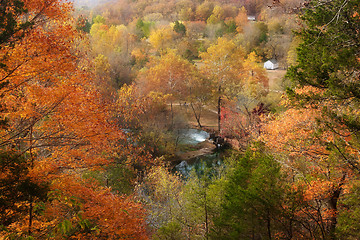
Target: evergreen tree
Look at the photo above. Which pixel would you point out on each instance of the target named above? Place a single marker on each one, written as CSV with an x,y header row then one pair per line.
x,y
255,194
17,190
326,78
11,29
10,26
329,60
180,28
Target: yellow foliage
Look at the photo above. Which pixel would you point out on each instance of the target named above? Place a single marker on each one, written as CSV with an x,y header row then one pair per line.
x,y
160,38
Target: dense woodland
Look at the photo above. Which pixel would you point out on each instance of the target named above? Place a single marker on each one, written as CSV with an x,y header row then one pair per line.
x,y
93,98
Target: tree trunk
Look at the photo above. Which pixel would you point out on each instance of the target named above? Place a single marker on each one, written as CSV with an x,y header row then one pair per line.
x,y
172,115
219,114
219,111
30,214
31,165
206,219
268,220
197,117
333,206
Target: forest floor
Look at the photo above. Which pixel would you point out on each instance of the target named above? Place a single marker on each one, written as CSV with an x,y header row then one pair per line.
x,y
209,118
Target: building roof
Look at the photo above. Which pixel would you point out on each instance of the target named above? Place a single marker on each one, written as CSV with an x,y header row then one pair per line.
x,y
273,61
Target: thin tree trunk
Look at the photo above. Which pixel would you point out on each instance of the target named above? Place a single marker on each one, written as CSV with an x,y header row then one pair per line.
x,y
31,165
269,224
206,219
219,111
333,205
30,214
172,115
197,117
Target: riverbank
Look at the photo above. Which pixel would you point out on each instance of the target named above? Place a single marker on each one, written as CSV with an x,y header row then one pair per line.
x,y
203,148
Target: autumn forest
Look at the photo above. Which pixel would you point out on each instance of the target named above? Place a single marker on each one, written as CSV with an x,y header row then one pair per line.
x,y
158,119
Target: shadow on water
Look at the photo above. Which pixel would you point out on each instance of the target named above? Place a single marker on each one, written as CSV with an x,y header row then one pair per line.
x,y
199,164
204,154
196,151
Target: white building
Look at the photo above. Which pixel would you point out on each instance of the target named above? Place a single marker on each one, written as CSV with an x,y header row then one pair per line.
x,y
251,18
271,64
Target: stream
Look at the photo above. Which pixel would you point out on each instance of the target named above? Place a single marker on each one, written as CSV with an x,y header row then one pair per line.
x,y
204,157
192,136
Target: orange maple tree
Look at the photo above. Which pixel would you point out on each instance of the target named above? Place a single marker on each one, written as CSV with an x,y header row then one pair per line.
x,y
57,118
322,162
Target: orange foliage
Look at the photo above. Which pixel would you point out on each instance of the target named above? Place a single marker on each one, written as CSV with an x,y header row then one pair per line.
x,y
132,106
49,93
170,74
81,209
57,117
112,216
293,132
322,159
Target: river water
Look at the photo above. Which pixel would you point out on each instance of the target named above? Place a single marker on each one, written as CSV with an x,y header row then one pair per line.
x,y
194,137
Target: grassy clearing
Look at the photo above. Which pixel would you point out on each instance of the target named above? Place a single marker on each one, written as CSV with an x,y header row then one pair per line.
x,y
208,117
275,79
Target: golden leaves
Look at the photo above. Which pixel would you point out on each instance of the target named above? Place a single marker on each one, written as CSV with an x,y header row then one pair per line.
x,y
170,74
159,38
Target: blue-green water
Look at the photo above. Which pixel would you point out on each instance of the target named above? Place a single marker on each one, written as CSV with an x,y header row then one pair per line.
x,y
199,164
